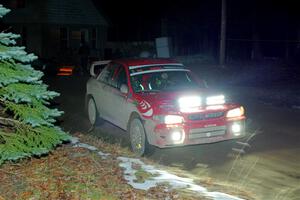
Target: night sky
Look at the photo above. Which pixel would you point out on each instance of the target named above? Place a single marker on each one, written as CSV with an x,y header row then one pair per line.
x,y
272,18
194,26
146,16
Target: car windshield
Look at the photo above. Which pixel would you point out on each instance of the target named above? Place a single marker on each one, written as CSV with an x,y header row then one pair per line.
x,y
163,81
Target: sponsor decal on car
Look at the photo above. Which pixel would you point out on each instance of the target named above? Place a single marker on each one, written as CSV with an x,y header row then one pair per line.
x,y
145,109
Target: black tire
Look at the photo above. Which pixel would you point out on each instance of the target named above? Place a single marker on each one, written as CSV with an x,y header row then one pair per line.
x,y
138,139
92,112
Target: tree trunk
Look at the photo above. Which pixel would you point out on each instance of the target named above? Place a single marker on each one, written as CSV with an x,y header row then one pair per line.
x,y
256,53
223,34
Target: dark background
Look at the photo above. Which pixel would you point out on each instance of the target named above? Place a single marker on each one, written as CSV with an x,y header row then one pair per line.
x,y
275,23
269,16
269,28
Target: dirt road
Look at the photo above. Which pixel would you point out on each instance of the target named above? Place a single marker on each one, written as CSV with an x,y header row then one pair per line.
x,y
269,168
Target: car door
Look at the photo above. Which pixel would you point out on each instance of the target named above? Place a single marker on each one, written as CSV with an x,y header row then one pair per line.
x,y
102,92
120,110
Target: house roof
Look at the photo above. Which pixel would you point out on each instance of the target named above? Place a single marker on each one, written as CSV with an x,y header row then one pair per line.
x,y
71,12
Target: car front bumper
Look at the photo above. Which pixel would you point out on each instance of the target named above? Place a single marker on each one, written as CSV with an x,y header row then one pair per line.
x,y
184,134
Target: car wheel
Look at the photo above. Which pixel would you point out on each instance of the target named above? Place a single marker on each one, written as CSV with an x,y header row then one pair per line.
x,y
138,139
92,112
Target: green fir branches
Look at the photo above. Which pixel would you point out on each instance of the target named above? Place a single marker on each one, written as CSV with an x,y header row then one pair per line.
x,y
26,123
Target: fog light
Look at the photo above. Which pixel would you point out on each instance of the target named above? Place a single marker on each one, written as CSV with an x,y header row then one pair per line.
x,y
236,129
176,136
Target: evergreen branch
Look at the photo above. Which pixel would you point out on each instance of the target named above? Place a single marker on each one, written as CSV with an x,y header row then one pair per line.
x,y
3,11
30,123
9,122
27,93
2,101
33,115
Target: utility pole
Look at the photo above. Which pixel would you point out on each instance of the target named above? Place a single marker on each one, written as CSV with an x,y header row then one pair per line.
x,y
223,34
256,53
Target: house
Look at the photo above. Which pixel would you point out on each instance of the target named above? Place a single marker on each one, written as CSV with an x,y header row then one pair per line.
x,y
56,28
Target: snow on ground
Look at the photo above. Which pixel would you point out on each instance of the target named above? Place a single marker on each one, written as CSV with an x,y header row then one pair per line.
x,y
86,146
159,176
103,155
74,140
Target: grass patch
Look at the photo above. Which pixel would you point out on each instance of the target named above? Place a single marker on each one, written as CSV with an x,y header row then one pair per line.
x,y
142,175
67,173
74,173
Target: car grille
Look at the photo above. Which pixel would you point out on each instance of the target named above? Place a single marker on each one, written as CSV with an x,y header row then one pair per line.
x,y
207,132
205,116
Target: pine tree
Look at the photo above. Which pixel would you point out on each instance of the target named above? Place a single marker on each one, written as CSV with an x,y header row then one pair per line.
x,y
26,122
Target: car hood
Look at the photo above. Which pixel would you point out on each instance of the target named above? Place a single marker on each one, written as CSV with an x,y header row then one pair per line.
x,y
163,97
162,102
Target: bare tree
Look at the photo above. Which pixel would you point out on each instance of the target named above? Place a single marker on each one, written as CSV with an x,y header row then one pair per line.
x,y
223,34
256,53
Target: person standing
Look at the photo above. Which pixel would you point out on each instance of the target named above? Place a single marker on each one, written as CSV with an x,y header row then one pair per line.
x,y
83,52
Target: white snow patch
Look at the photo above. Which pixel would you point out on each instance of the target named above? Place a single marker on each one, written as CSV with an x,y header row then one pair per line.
x,y
74,140
161,176
87,146
103,155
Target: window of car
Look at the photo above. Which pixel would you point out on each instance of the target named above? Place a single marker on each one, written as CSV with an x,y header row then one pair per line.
x,y
114,75
107,73
98,68
121,77
163,80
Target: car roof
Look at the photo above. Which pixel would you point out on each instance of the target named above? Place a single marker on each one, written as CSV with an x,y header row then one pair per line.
x,y
145,61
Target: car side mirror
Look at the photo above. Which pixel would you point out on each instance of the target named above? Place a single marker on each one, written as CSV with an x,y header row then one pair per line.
x,y
124,89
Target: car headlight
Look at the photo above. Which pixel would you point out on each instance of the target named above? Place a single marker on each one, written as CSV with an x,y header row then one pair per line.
x,y
215,100
173,119
237,112
169,119
189,103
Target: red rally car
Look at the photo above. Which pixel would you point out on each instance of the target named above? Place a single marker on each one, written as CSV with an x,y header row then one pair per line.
x,y
161,103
